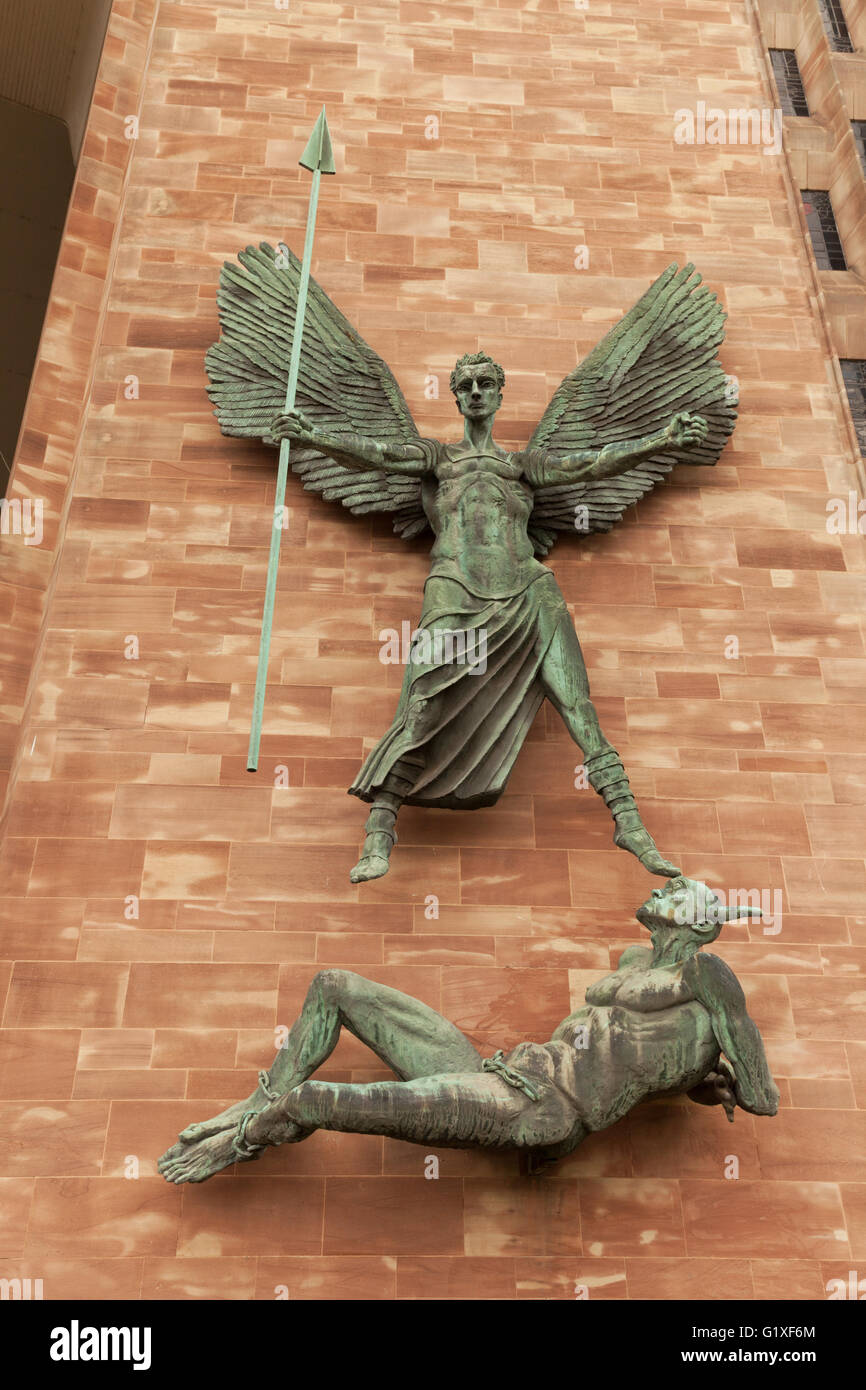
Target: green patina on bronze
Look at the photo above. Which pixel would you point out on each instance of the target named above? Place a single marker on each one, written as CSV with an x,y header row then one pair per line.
x,y
318,157
657,1026
650,395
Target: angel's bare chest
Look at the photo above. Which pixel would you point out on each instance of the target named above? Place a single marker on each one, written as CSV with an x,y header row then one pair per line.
x,y
483,485
642,989
479,506
454,465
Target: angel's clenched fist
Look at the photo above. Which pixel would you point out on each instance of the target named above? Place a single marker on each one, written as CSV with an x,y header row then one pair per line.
x,y
687,429
294,424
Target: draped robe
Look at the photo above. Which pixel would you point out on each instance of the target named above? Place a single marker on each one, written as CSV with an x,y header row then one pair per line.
x,y
459,726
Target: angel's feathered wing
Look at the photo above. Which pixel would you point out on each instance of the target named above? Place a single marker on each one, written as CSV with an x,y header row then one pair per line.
x,y
343,386
658,360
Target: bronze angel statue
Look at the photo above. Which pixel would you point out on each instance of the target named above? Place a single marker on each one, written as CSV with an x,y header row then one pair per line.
x,y
651,394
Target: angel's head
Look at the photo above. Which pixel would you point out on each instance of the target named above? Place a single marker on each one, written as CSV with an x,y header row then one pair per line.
x,y
477,383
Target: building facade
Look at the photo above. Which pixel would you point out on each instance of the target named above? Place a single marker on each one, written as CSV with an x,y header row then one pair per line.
x,y
510,176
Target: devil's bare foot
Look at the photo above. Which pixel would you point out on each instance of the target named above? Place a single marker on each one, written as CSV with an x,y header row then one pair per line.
x,y
640,843
196,1162
226,1119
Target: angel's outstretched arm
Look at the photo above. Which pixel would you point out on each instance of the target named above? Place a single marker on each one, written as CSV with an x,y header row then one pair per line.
x,y
353,450
588,465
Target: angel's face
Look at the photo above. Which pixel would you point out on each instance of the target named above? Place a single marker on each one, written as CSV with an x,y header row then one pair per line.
x,y
478,393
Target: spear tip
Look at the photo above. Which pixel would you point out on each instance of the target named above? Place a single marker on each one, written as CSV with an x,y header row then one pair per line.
x,y
319,152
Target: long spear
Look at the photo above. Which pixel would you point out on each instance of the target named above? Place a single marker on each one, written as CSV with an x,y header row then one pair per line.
x,y
318,157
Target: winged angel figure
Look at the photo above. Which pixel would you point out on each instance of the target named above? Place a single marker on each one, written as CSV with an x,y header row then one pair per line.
x,y
651,394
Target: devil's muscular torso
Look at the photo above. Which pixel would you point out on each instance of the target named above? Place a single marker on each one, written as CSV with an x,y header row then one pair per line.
x,y
479,506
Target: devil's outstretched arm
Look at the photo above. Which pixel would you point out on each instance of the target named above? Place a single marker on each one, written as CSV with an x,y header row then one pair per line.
x,y
719,990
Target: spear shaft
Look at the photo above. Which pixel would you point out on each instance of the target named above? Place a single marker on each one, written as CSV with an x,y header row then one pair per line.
x,y
317,156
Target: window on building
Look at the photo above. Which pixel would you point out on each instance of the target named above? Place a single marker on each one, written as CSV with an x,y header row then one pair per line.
x,y
786,71
834,23
826,242
859,129
854,376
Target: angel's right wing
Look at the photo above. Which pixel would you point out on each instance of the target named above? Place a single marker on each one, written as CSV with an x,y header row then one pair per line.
x,y
343,385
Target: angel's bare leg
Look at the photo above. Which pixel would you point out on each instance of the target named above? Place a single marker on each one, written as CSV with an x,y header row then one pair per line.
x,y
566,684
411,1038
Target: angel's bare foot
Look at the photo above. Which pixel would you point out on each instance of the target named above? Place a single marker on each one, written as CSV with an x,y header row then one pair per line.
x,y
378,843
373,862
226,1119
641,844
197,1161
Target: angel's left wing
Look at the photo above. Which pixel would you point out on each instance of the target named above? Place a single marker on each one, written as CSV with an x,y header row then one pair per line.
x,y
343,385
659,360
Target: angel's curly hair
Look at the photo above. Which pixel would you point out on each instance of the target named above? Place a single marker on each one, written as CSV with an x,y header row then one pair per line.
x,y
474,359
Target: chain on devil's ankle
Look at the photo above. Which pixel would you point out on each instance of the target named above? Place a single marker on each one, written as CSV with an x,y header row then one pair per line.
x,y
241,1146
265,1085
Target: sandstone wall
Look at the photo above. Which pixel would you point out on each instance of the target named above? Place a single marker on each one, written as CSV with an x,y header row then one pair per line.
x,y
555,131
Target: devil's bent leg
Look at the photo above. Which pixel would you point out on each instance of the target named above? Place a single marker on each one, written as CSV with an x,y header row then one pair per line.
x,y
410,1037
407,1035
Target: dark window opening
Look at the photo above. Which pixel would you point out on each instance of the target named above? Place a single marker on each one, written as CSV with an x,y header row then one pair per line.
x,y
859,130
789,81
854,376
834,23
48,60
826,242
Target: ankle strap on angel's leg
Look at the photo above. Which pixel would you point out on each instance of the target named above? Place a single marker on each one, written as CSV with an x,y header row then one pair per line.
x,y
608,777
381,822
604,768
